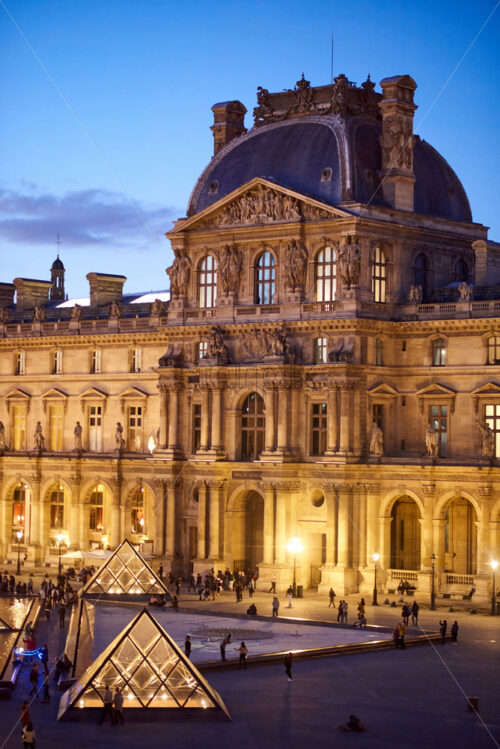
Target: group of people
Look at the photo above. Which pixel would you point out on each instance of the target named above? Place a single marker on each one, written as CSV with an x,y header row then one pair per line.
x,y
8,584
112,706
404,587
57,597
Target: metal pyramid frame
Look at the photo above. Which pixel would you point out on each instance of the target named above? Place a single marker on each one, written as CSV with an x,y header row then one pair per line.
x,y
145,663
124,575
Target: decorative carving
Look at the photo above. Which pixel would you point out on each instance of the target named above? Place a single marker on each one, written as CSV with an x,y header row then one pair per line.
x,y
230,260
3,444
465,291
294,266
349,262
261,343
376,440
157,308
488,437
172,356
4,314
39,438
178,273
115,310
119,441
342,351
78,432
415,294
77,312
217,349
397,142
40,314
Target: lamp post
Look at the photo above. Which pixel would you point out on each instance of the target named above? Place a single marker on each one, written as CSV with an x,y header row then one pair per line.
x,y
19,535
433,590
494,565
294,546
60,539
375,558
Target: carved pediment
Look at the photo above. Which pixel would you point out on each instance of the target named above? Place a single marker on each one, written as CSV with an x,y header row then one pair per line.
x,y
437,393
55,396
258,203
383,390
93,395
489,391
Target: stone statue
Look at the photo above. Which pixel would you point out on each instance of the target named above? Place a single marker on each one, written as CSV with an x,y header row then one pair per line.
x,y
39,438
157,308
376,440
115,310
4,314
78,431
229,269
119,441
40,314
415,294
179,274
278,344
350,263
294,266
465,291
217,349
397,141
3,444
488,437
77,312
431,441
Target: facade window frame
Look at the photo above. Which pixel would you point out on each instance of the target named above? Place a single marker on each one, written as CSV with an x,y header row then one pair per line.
x,y
421,273
379,275
379,352
439,352
494,349
20,363
57,508
325,274
196,427
491,416
319,428
95,413
57,362
136,360
265,278
321,350
439,419
253,426
96,361
207,282
96,514
135,425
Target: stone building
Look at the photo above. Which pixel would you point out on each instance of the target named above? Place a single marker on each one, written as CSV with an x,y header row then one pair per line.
x,y
326,366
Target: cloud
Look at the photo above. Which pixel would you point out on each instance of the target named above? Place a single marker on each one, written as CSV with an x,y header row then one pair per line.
x,y
84,218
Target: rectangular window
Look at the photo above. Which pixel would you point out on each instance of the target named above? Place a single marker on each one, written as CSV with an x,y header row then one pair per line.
x,y
202,350
439,352
96,512
135,429
95,429
57,363
379,351
319,426
21,363
19,427
494,350
95,367
320,351
56,427
439,420
196,427
137,360
378,415
492,418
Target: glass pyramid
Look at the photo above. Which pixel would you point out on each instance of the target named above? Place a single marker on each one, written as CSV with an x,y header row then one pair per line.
x,y
125,573
145,663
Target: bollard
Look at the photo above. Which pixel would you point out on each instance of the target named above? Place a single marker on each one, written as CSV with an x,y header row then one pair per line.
x,y
473,704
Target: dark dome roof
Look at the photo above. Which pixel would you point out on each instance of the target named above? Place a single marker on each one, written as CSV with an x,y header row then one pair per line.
x,y
296,152
57,264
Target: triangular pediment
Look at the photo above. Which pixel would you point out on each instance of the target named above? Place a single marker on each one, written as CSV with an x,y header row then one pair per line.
x,y
149,668
17,394
383,390
490,388
436,390
257,203
124,575
55,394
133,393
93,394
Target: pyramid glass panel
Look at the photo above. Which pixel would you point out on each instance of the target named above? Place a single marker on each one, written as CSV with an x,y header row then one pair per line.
x,y
145,635
199,698
162,658
181,683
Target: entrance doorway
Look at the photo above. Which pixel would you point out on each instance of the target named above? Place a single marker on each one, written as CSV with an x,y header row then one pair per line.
x,y
247,531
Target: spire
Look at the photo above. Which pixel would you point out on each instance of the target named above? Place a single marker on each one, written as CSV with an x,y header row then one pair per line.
x,y
57,272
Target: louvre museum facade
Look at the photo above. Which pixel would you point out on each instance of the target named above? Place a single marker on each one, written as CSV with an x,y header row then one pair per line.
x,y
325,366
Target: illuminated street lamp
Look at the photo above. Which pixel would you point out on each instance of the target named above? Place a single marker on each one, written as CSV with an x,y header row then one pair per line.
x,y
375,558
295,546
19,535
151,443
494,565
433,589
60,539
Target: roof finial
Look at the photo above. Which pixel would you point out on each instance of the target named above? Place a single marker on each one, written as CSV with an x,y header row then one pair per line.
x,y
58,243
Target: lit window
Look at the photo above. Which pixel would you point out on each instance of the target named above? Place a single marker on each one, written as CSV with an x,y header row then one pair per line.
x,y
136,365
252,427
208,282
201,350
95,428
439,352
439,420
96,519
19,426
196,442
326,275
379,276
265,278
21,363
95,366
19,507
57,508
137,513
56,411
319,419
320,351
135,428
492,419
57,362
379,352
494,350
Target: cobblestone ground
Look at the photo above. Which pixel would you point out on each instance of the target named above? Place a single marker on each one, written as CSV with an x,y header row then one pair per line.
x,y
412,698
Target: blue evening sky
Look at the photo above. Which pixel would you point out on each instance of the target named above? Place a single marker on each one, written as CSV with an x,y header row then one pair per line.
x,y
141,78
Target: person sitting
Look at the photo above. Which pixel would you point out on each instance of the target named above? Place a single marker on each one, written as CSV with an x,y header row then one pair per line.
x,y
360,621
252,610
353,724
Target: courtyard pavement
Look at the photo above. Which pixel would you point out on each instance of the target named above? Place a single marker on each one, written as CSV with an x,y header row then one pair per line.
x,y
414,698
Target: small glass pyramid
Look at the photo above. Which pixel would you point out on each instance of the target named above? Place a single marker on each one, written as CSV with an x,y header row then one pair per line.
x,y
144,663
125,573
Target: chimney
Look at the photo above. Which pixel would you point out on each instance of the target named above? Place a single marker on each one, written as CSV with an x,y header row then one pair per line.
x,y
105,288
31,293
229,123
7,294
397,108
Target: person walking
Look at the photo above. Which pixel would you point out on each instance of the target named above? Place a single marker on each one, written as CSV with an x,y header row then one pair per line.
x,y
187,646
331,596
443,626
62,613
345,609
340,609
289,596
405,613
272,589
414,613
276,606
46,685
25,713
288,665
454,632
118,707
243,651
107,706
361,608
29,736
34,676
223,645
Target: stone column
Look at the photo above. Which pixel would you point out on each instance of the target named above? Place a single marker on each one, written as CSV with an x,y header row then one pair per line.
x,y
158,512
385,542
332,420
170,529
331,525
282,420
356,398
173,415
163,416
372,523
484,551
344,496
345,417
202,511
426,526
217,411
36,518
268,523
362,527
269,436
280,526
115,521
205,412
216,492
73,525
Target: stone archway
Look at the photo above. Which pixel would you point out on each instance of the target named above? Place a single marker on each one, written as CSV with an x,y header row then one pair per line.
x,y
460,537
247,531
405,534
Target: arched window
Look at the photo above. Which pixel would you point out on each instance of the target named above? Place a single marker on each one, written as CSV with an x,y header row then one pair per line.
x,y
137,512
253,424
422,273
96,521
265,278
208,282
326,275
320,351
19,506
461,271
379,275
57,508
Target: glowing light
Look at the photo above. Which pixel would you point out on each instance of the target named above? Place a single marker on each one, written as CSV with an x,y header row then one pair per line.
x,y
493,564
295,546
151,443
130,696
19,535
81,703
375,557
